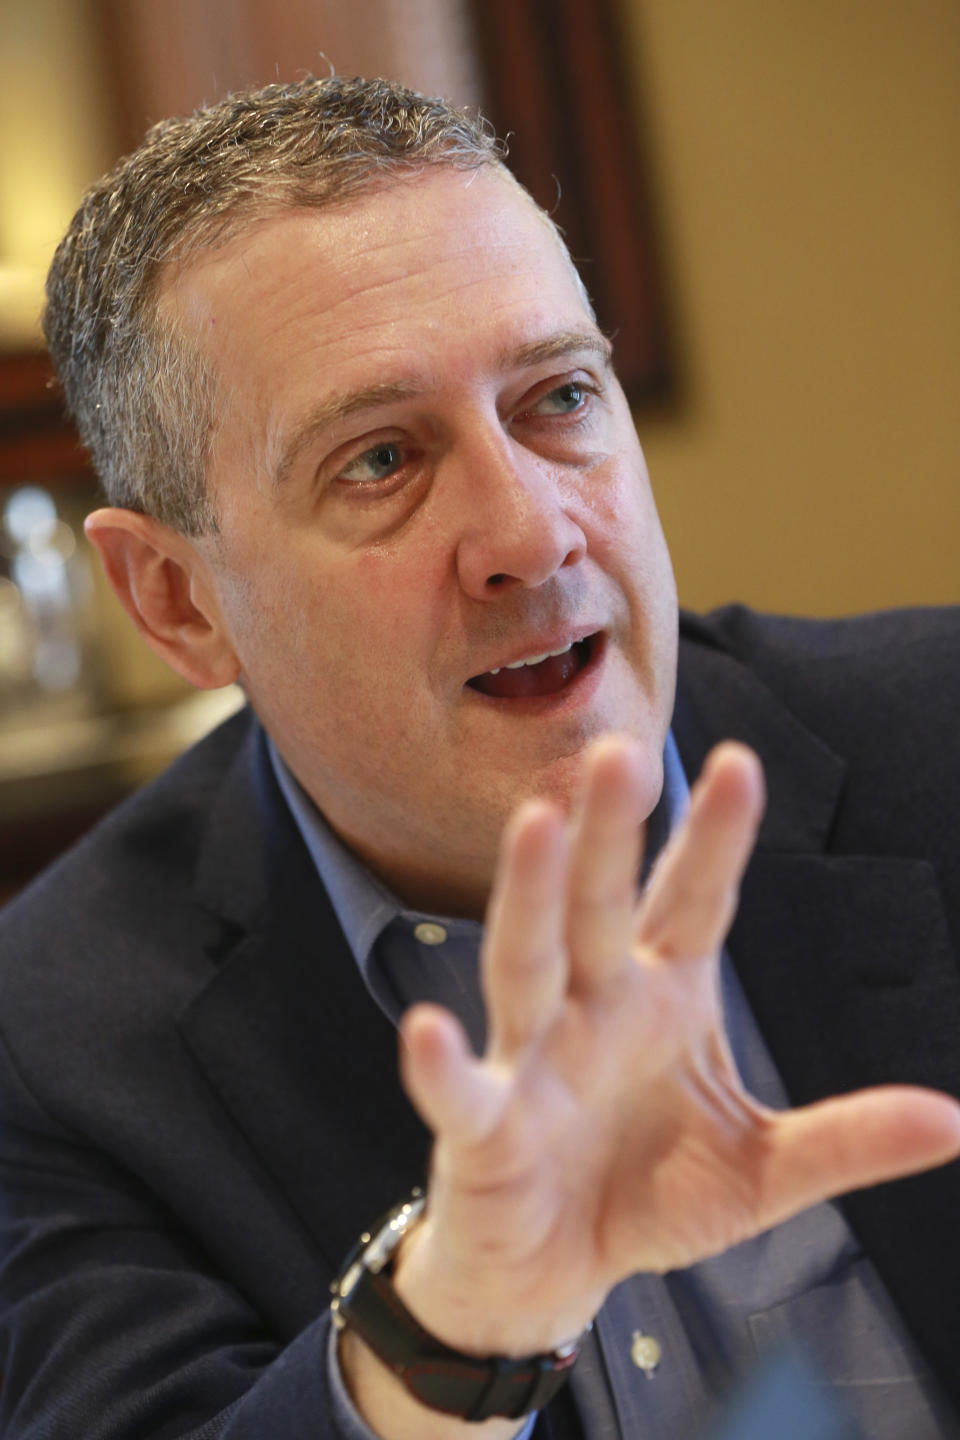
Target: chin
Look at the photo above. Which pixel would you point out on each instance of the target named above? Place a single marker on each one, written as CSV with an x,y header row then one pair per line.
x,y
561,780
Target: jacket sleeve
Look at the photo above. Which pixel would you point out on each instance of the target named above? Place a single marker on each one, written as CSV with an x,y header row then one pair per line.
x,y
114,1325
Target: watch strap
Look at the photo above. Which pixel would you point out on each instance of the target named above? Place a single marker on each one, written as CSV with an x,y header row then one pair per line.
x,y
471,1387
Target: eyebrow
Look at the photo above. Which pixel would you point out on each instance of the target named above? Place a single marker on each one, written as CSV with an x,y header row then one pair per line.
x,y
337,408
552,347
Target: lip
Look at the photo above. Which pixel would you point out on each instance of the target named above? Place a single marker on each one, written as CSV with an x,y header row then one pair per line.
x,y
578,692
543,644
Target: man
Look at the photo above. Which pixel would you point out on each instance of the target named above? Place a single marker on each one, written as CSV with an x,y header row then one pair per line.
x,y
366,453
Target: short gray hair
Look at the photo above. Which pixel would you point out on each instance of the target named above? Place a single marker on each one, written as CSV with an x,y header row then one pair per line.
x,y
140,393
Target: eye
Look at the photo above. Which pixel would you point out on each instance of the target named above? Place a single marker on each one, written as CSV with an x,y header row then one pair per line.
x,y
378,463
561,401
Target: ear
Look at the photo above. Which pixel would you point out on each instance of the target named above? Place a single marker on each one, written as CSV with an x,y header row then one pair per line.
x,y
164,584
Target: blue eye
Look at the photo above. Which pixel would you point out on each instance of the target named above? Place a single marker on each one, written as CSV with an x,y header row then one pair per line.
x,y
376,464
562,400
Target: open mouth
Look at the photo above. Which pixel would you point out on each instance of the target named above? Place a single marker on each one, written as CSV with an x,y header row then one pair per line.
x,y
540,675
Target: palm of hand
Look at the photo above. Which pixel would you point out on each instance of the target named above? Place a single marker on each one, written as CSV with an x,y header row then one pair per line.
x,y
606,1130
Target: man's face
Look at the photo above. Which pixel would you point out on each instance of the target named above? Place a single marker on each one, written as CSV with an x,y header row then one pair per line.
x,y
426,472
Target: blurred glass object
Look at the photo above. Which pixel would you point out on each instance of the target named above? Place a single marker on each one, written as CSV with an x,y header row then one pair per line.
x,y
46,608
29,515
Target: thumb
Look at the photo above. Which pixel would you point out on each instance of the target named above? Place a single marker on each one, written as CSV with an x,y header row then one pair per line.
x,y
851,1141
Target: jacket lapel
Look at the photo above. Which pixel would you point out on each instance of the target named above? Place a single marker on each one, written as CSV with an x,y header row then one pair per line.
x,y
285,1028
847,965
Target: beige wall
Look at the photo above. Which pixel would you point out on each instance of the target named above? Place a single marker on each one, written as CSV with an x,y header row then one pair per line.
x,y
806,157
55,133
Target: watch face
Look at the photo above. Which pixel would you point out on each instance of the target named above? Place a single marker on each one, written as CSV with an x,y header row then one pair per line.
x,y
346,1280
377,1244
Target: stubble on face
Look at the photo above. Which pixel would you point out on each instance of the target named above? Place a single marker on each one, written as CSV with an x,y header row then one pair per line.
x,y
358,615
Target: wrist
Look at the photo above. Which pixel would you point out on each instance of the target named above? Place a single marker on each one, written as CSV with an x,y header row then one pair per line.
x,y
462,1305
471,1381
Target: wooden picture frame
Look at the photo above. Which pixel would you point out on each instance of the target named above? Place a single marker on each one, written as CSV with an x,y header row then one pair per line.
x,y
556,86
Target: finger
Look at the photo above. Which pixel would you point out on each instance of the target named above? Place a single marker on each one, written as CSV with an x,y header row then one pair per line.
x,y
692,895
523,958
604,864
852,1141
453,1095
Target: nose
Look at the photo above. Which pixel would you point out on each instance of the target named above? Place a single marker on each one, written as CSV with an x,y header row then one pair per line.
x,y
515,528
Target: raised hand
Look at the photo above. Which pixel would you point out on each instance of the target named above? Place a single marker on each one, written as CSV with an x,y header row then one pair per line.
x,y
605,1131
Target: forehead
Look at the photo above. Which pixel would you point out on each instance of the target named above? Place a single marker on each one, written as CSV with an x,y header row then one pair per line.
x,y
435,273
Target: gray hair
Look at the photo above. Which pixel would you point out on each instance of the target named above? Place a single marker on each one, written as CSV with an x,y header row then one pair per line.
x,y
142,396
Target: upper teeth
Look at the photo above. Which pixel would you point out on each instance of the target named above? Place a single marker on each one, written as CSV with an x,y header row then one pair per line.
x,y
534,659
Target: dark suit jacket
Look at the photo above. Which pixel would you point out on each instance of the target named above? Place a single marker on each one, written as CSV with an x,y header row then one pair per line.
x,y
199,1106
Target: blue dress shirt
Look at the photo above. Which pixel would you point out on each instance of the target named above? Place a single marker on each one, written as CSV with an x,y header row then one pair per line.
x,y
805,1283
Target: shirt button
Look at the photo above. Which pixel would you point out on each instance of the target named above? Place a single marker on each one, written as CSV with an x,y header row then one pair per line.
x,y
645,1353
430,934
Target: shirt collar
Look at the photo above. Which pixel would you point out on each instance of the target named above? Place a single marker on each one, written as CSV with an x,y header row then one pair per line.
x,y
365,906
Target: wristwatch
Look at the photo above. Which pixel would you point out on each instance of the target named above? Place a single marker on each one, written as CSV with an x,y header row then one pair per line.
x,y
471,1387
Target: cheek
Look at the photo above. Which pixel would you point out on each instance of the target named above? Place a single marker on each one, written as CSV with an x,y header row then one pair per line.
x,y
378,587
275,616
361,628
399,596
624,528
